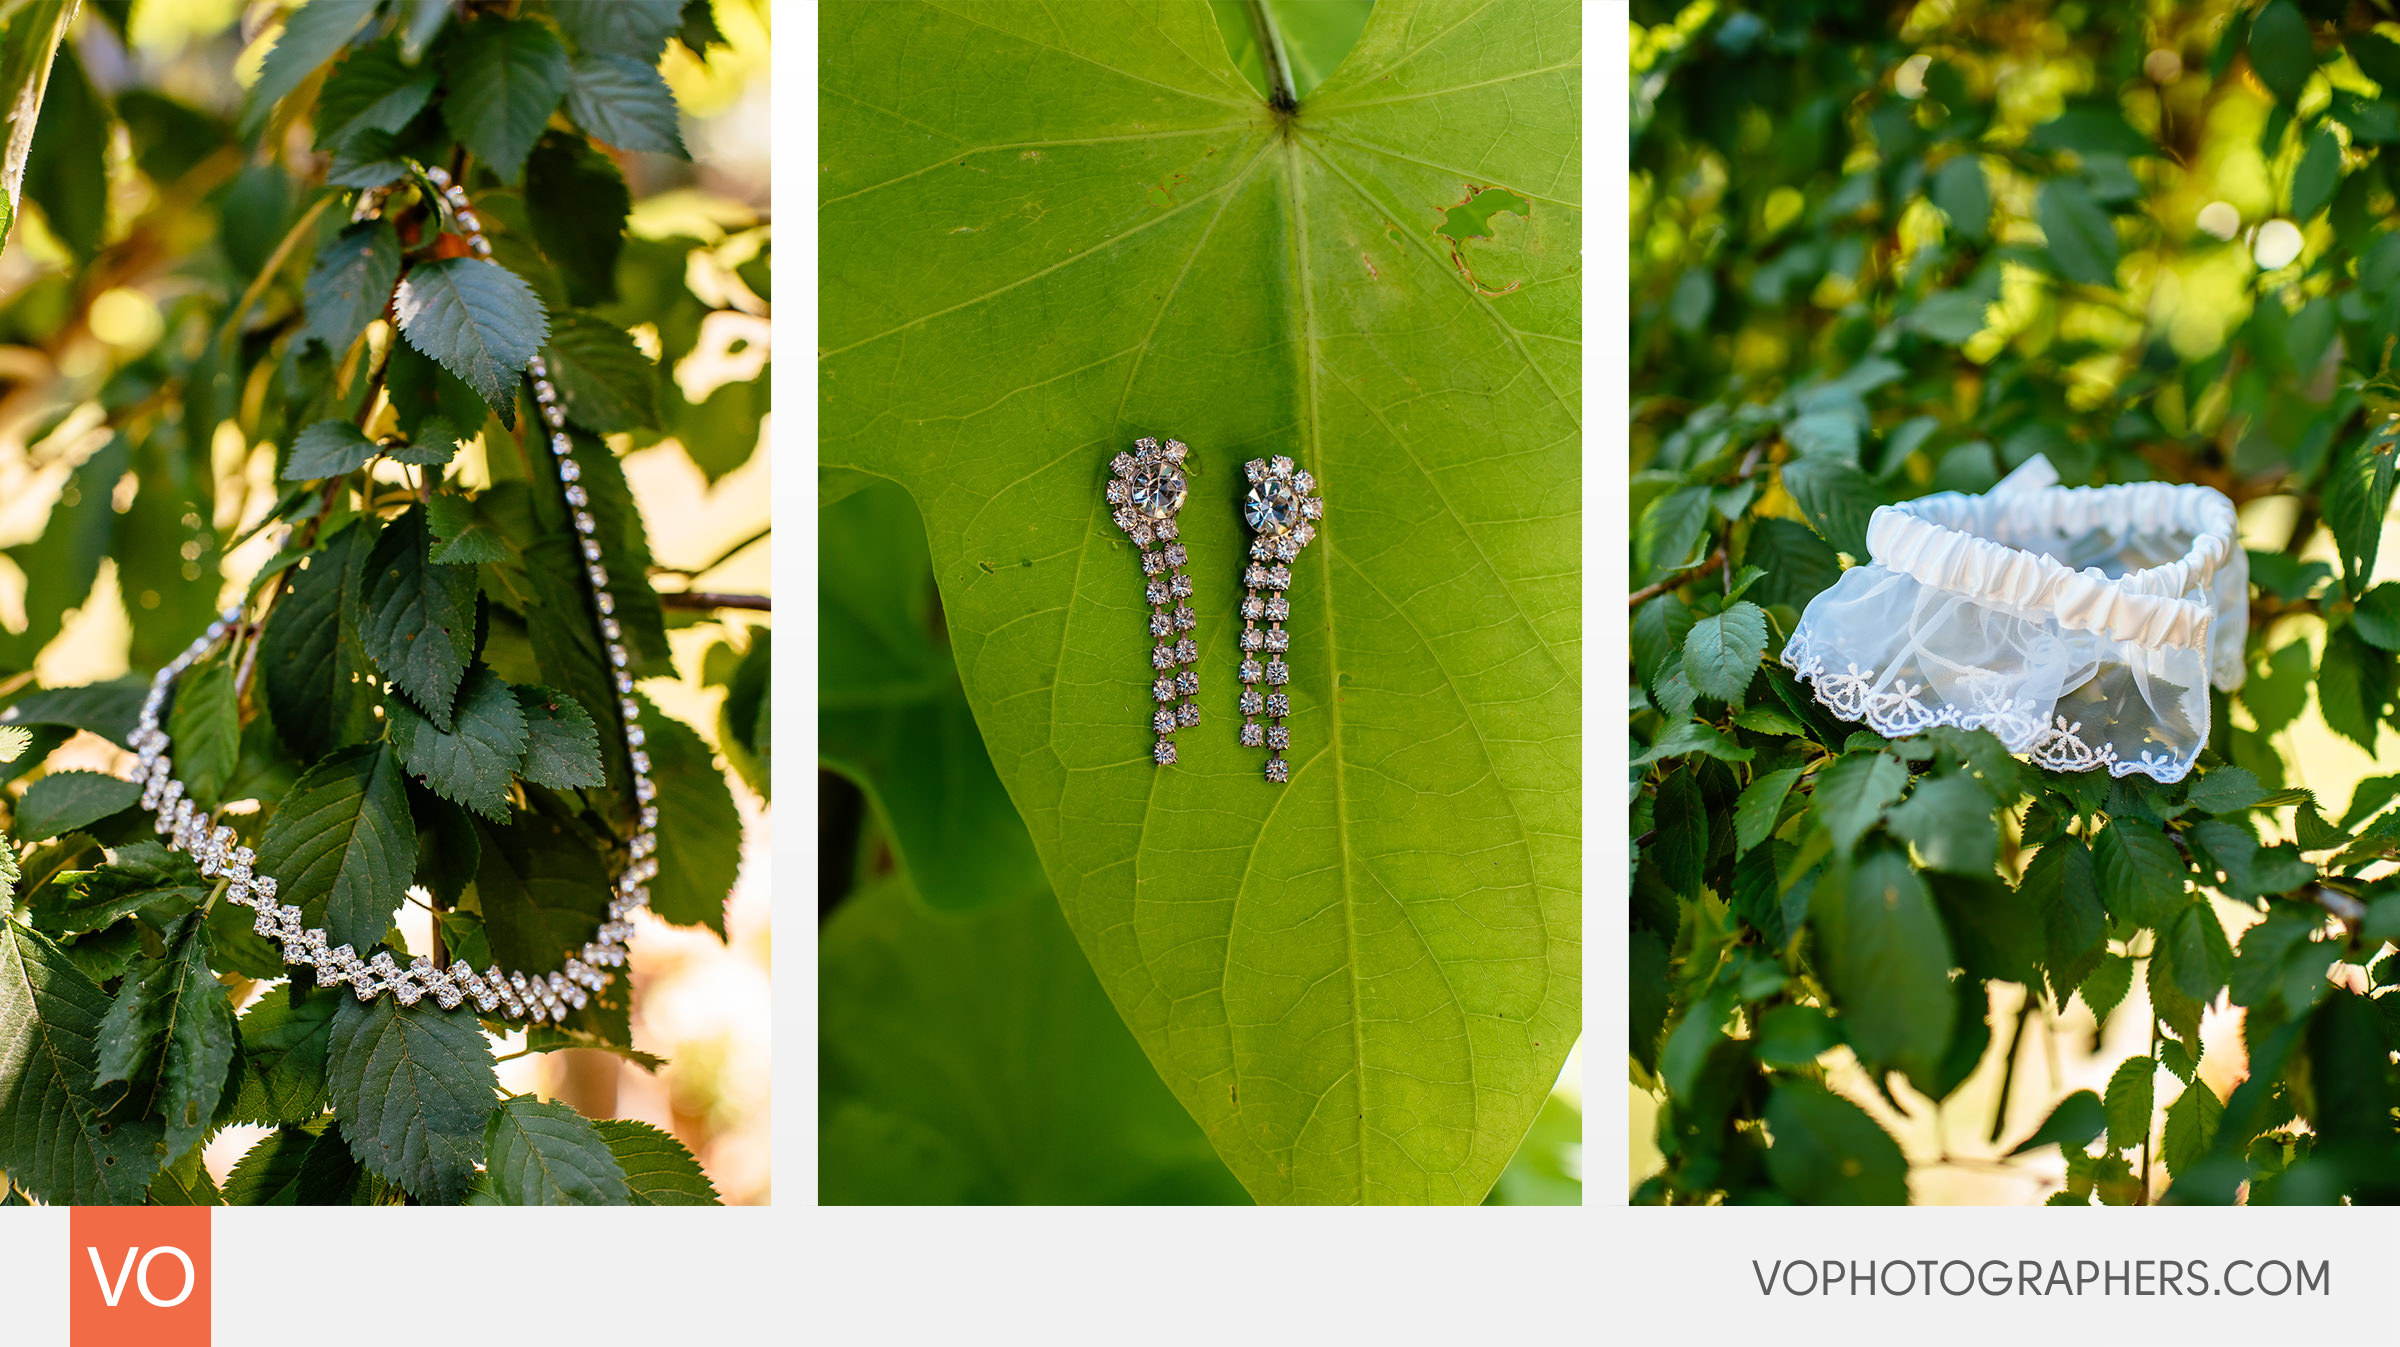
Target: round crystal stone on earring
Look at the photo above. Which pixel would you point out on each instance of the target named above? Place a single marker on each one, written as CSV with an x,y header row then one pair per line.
x,y
1158,489
1272,507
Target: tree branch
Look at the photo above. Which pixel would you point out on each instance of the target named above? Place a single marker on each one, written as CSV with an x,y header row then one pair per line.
x,y
1658,587
699,599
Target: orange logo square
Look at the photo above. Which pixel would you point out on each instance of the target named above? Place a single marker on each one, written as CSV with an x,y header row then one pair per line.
x,y
138,1276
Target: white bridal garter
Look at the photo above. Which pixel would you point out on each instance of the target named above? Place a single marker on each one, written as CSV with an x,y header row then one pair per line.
x,y
2081,625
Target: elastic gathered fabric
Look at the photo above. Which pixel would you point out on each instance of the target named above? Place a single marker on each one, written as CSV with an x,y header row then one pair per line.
x,y
2081,625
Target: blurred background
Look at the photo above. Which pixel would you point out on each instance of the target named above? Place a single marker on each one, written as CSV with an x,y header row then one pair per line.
x,y
137,203
1814,181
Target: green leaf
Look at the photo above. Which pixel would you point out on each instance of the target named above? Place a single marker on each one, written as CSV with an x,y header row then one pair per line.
x,y
604,381
1692,736
2358,494
342,845
2354,687
2281,50
658,1171
310,660
1952,823
1836,499
2105,989
635,28
2277,698
459,538
168,1038
505,77
413,1088
546,1155
2141,875
185,1183
2131,1091
1721,653
1798,565
1851,793
285,1039
417,618
206,728
328,449
2377,617
2224,790
62,802
745,729
1467,725
1827,1151
298,1166
481,321
575,198
1890,962
562,745
2081,239
313,34
472,762
2060,883
2191,1127
371,90
621,101
51,1142
2378,56
143,877
2319,172
1760,805
1793,1036
542,888
699,830
2078,1119
1960,190
972,1057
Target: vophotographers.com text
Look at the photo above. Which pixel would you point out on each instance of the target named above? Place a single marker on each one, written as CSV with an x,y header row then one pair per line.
x,y
1995,1277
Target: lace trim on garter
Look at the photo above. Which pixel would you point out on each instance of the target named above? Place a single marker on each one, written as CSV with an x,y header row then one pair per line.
x,y
1897,713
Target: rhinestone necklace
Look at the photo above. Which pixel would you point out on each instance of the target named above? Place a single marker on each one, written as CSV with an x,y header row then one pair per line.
x,y
514,994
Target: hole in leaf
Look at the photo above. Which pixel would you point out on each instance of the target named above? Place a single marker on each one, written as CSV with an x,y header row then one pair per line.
x,y
1472,218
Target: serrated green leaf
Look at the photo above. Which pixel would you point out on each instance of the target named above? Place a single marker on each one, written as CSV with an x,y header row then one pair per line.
x,y
310,660
562,745
142,877
2141,875
2377,616
2105,989
505,77
2354,687
2080,238
2282,51
1890,963
2224,790
699,830
417,617
472,762
2319,172
351,283
314,33
342,844
604,381
51,1142
412,1086
542,888
576,201
1685,737
1852,793
2191,1127
328,448
620,101
62,802
635,28
479,320
1829,1151
546,1155
1721,653
285,1038
1761,803
2358,494
658,1171
1952,823
298,1166
168,1038
206,729
2132,1088
2177,1059
185,1183
371,90
2277,698
2078,1119
1836,499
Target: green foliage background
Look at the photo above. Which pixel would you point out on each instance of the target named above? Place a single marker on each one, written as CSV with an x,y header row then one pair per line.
x,y
1884,251
1039,244
417,709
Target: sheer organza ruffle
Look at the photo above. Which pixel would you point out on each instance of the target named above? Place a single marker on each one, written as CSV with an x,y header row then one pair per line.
x,y
2082,626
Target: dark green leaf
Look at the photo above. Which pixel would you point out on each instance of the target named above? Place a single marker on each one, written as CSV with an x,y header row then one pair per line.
x,y
342,845
2281,50
372,89
2105,989
62,802
143,877
418,617
310,660
51,1142
546,1155
2082,242
505,77
658,1171
699,830
2224,790
2319,172
472,762
1793,1036
1760,805
1962,193
1952,823
2078,1119
168,1038
1890,963
2132,1088
1721,653
2354,687
329,448
481,321
285,1038
2191,1127
2358,493
622,102
1851,794
562,745
298,1166
576,201
635,28
314,33
1836,499
413,1088
206,728
460,538
2141,875
1828,1151
2377,617
1798,564
604,381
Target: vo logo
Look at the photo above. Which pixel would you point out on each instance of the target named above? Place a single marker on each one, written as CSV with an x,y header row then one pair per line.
x,y
138,1276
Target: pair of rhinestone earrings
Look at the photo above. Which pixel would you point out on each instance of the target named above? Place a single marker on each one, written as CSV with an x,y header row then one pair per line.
x,y
1147,489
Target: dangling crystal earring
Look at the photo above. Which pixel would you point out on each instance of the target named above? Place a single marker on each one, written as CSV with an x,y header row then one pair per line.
x,y
1283,515
1146,491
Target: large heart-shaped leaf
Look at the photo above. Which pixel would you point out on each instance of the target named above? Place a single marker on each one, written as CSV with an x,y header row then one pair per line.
x,y
1040,243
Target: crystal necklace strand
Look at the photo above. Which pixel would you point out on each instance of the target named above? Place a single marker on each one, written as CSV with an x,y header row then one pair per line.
x,y
514,994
